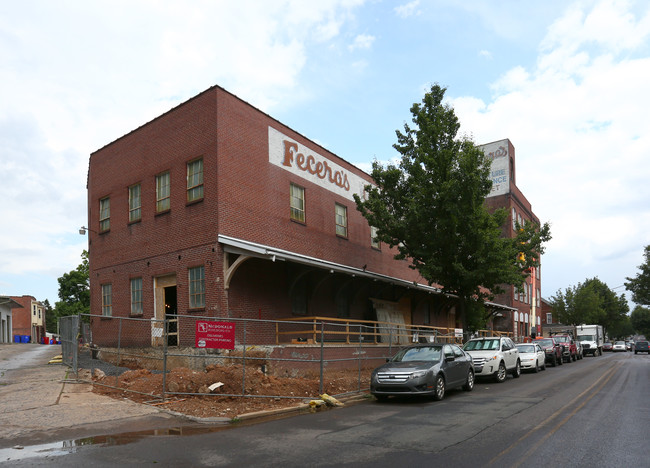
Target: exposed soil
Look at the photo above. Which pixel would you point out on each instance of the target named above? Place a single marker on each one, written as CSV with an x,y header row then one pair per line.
x,y
143,386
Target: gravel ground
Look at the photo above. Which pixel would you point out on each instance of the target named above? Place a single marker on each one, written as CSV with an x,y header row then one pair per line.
x,y
85,361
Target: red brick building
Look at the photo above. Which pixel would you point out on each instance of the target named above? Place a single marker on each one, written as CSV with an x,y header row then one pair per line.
x,y
215,209
29,318
527,318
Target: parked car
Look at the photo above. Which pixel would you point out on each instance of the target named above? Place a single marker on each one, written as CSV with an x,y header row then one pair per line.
x,y
494,356
641,347
629,345
569,350
619,346
552,350
532,356
607,346
580,349
424,369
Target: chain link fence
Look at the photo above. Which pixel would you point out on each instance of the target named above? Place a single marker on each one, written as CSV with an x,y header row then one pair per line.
x,y
183,354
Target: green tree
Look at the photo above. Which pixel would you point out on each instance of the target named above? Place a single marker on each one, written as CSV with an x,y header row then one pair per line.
x,y
431,208
50,317
74,291
590,302
640,285
640,320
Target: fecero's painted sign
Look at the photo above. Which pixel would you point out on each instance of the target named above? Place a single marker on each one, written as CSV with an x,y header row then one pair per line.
x,y
296,158
219,335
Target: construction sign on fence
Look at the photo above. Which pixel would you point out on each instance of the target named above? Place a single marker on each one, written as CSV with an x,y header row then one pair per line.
x,y
219,335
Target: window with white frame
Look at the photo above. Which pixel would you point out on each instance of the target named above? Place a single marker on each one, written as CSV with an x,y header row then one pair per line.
x,y
341,220
104,214
549,317
373,241
107,300
297,203
197,287
195,180
163,186
136,296
135,207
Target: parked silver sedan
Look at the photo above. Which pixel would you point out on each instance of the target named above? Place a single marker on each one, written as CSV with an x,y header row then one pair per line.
x,y
532,357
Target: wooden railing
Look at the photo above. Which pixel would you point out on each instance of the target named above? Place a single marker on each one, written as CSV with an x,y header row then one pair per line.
x,y
310,330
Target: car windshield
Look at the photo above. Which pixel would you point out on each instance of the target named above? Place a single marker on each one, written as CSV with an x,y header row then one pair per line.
x,y
419,353
479,345
620,343
528,348
586,338
561,339
545,342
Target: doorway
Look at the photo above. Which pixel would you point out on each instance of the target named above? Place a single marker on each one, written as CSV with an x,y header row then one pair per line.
x,y
170,315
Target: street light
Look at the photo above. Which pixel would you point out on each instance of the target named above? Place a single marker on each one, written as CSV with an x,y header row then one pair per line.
x,y
83,229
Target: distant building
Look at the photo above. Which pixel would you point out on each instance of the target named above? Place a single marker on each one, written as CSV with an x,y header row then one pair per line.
x,y
216,209
526,320
29,319
7,304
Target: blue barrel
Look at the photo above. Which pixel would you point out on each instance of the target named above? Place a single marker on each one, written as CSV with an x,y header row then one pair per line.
x,y
26,338
16,338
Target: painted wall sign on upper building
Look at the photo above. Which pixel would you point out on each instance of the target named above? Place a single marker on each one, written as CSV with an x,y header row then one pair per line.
x,y
500,171
290,155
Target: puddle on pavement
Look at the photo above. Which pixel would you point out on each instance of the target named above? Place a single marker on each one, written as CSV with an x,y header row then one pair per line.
x,y
66,447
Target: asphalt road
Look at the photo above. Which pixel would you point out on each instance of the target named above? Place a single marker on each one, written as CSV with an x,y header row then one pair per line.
x,y
594,412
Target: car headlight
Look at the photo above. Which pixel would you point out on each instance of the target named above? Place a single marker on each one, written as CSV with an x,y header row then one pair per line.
x,y
418,374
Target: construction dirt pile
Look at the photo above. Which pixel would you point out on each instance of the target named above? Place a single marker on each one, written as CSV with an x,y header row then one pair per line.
x,y
264,392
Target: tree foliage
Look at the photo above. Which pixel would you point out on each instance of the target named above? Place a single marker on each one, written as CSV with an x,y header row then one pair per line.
x,y
431,208
591,302
640,285
74,290
640,320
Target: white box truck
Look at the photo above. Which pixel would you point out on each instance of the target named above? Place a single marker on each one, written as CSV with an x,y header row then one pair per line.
x,y
591,337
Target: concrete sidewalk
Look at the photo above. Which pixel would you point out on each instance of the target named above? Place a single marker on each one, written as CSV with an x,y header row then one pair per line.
x,y
37,405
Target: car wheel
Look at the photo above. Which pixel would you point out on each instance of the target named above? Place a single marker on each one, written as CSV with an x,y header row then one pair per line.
x,y
517,370
596,353
469,384
501,373
544,365
634,352
439,388
536,369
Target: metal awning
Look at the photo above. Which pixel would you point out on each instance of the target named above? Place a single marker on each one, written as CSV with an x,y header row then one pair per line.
x,y
243,247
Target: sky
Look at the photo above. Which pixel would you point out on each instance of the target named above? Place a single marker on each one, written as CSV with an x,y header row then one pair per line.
x,y
565,81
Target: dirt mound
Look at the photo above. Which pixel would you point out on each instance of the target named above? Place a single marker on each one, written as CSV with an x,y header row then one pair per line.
x,y
262,391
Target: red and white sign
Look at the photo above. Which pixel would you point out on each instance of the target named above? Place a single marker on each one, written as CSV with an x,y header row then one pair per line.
x,y
218,335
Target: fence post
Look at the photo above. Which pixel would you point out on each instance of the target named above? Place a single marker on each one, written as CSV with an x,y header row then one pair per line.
x,y
322,343
359,355
119,348
164,377
243,373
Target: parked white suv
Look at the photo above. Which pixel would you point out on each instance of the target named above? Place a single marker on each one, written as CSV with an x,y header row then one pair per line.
x,y
494,356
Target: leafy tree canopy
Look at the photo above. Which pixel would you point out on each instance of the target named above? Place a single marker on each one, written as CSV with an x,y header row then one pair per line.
x,y
591,302
640,320
74,290
640,285
431,208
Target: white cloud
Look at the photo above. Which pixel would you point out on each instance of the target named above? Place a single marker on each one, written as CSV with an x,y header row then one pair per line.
x,y
408,9
362,41
577,121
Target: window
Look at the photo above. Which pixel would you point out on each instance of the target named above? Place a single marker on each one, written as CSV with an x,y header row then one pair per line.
x,y
135,211
197,287
374,243
514,219
297,203
549,317
162,192
195,180
341,220
107,300
136,296
104,214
